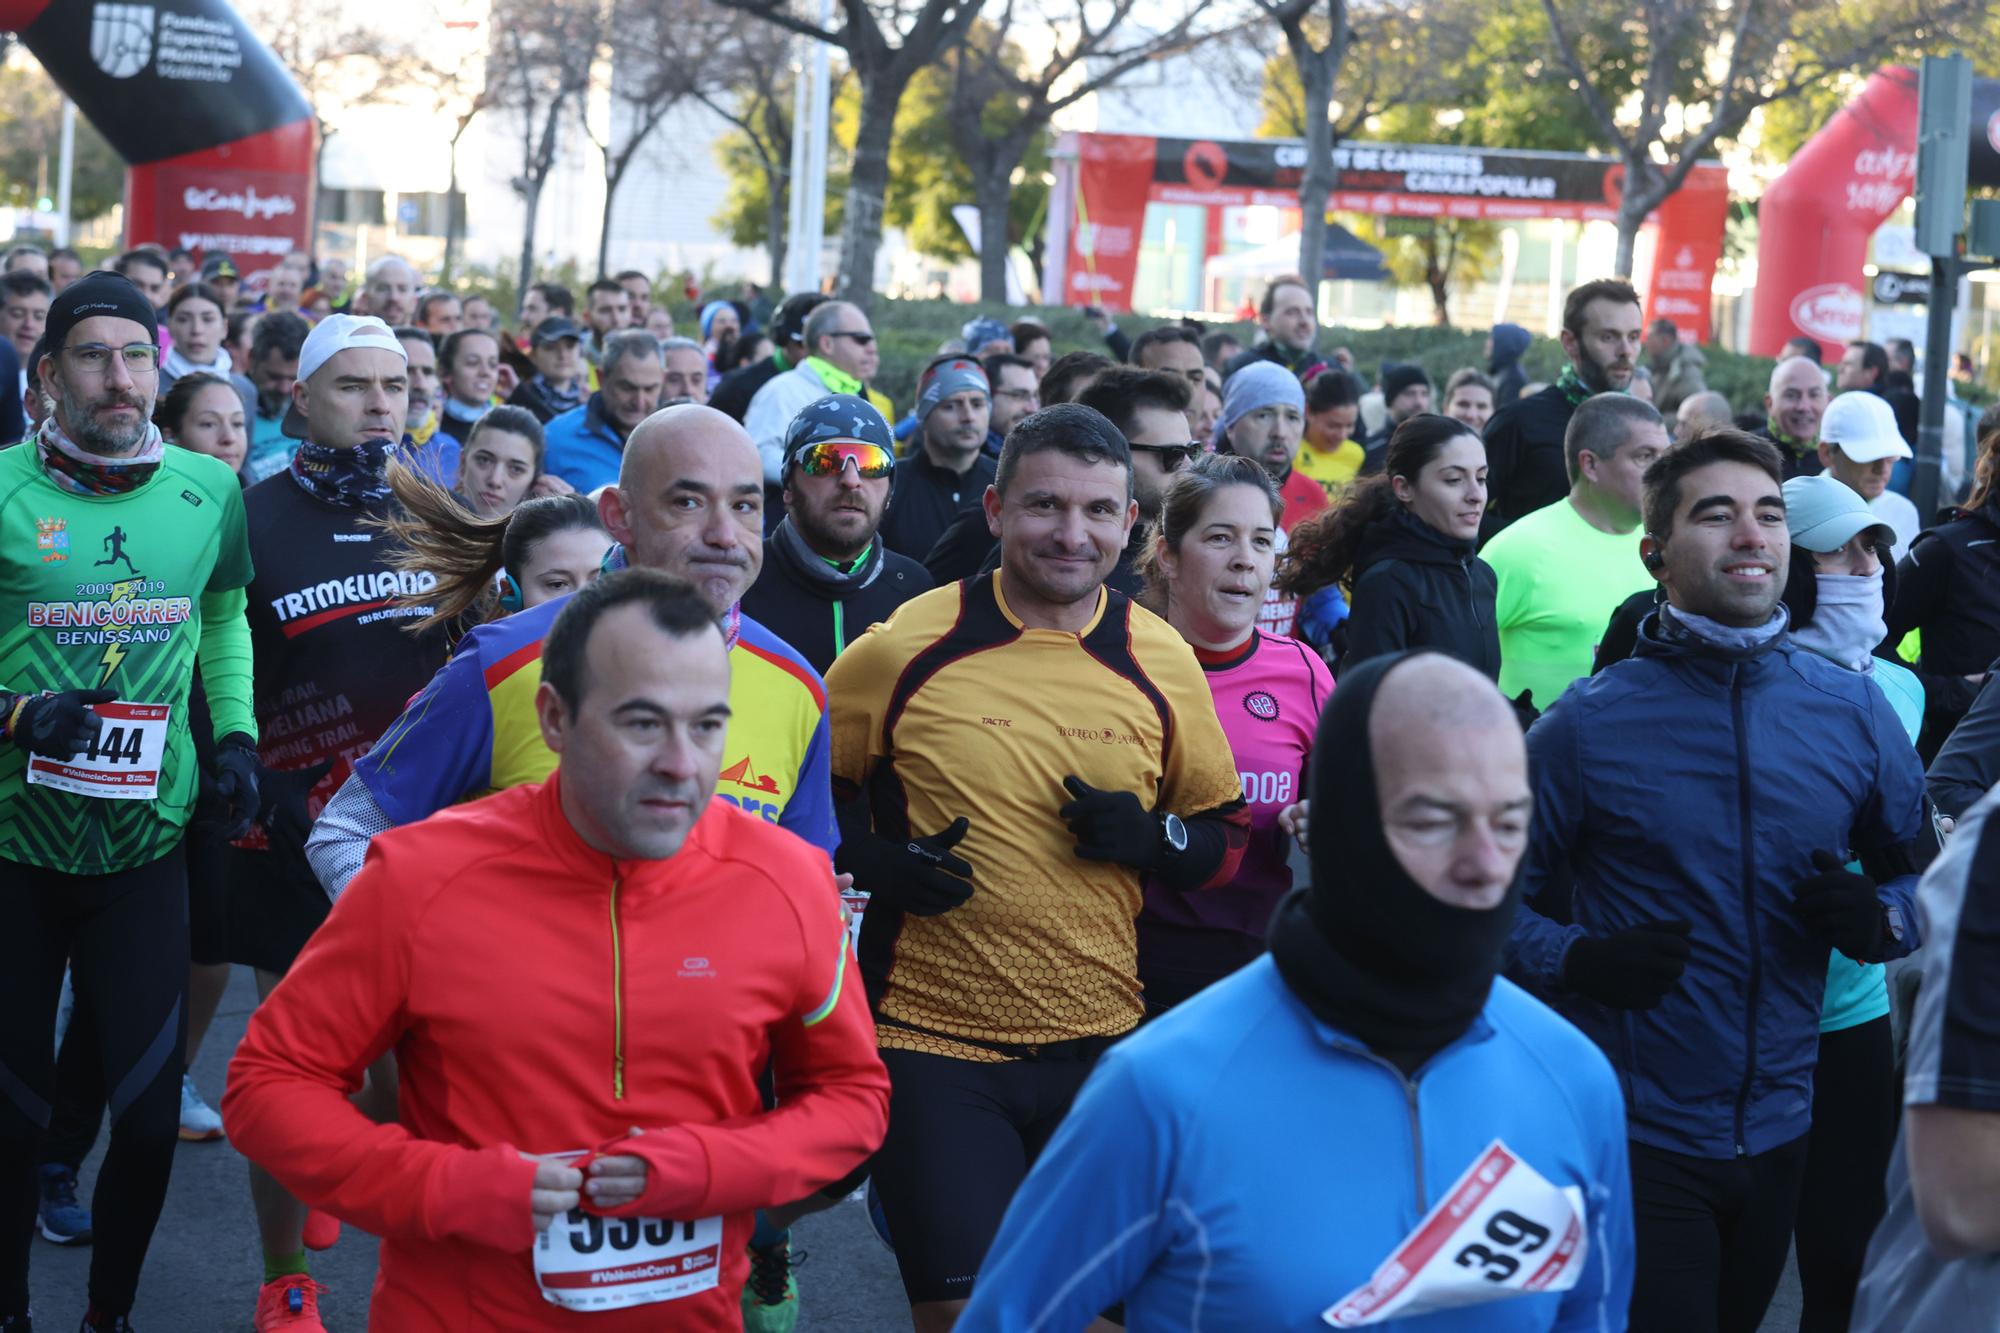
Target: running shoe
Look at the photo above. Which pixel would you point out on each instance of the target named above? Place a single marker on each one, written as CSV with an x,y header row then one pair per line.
x,y
199,1122
322,1230
771,1296
289,1303
62,1219
115,1324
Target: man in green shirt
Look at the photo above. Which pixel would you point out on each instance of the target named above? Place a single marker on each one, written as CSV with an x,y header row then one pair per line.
x,y
121,560
1565,568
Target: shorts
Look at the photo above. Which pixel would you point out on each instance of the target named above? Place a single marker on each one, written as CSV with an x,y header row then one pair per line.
x,y
274,908
962,1136
208,897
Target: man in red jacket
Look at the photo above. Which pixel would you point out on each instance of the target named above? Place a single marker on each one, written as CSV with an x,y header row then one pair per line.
x,y
581,980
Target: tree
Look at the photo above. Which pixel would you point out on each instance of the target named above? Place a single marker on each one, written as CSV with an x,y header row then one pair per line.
x,y
1406,50
539,69
922,30
1001,104
1696,70
31,147
756,158
663,53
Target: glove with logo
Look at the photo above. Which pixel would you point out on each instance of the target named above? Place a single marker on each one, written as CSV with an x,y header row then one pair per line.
x,y
1111,826
56,725
1842,910
236,782
919,875
1633,969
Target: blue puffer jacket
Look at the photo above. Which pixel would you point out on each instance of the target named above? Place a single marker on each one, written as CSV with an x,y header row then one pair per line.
x,y
582,448
1681,783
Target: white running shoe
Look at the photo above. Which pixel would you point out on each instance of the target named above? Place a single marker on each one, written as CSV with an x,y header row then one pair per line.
x,y
199,1122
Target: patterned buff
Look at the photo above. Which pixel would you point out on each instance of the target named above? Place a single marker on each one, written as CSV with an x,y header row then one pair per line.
x,y
1571,386
350,478
71,468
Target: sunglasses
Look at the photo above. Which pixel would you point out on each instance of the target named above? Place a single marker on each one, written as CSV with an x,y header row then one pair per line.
x,y
1173,457
862,339
871,461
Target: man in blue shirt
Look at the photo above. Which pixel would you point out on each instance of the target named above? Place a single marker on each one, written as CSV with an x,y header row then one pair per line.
x,y
1436,1141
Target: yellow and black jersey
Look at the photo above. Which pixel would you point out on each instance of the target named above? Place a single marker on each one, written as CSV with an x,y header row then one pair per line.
x,y
953,707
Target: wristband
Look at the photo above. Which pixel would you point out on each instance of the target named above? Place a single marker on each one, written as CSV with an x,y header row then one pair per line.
x,y
14,714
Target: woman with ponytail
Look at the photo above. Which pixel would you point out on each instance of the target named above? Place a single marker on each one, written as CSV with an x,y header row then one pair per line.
x,y
1401,544
1207,565
487,567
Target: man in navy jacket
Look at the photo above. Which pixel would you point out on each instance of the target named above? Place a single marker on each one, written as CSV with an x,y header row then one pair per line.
x,y
1706,794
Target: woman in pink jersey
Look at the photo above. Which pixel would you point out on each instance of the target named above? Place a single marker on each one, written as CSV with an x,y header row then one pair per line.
x,y
1207,569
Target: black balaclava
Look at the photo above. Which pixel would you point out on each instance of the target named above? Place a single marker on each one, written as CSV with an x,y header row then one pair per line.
x,y
1363,945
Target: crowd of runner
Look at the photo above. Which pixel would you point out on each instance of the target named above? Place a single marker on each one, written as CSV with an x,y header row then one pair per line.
x,y
1640,751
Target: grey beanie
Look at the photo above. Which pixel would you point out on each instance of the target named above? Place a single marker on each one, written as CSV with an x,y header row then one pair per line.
x,y
1260,384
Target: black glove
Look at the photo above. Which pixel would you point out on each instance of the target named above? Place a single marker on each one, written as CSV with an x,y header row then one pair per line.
x,y
1841,909
1633,969
236,783
60,725
919,875
1112,826
1525,711
282,803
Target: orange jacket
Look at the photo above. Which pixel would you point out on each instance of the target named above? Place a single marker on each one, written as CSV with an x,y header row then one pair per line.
x,y
542,998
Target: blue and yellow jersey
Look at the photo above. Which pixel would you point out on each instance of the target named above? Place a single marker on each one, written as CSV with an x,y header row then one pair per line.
x,y
473,730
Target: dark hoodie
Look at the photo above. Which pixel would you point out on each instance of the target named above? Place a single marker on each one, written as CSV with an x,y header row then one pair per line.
x,y
1948,586
1414,587
818,608
1510,344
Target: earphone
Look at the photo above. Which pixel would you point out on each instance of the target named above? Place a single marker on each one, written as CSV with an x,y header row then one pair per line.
x,y
510,593
1656,559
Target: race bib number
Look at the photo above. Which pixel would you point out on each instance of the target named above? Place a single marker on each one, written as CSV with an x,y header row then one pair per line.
x,y
585,1262
853,906
123,764
1501,1230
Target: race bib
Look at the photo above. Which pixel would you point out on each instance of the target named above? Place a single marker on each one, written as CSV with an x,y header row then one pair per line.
x,y
1501,1230
585,1262
853,906
123,764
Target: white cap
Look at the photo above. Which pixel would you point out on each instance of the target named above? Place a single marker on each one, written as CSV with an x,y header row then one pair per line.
x,y
1864,427
330,337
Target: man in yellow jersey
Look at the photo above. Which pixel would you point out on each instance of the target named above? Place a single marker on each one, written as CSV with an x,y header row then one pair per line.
x,y
1012,754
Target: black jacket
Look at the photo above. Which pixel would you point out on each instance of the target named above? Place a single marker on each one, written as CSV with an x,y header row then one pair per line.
x,y
1948,586
924,498
734,391
1525,468
1414,587
819,619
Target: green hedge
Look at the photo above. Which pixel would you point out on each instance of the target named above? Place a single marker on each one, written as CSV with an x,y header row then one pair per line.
x,y
910,332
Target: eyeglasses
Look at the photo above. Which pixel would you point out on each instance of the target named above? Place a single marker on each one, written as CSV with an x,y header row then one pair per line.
x,y
1173,457
860,339
1025,395
95,358
871,461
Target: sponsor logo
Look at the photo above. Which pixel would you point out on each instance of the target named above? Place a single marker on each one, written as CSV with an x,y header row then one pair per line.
x,y
1261,704
121,38
1204,165
996,721
52,540
1830,311
356,590
743,775
1100,735
249,203
698,967
354,536
191,498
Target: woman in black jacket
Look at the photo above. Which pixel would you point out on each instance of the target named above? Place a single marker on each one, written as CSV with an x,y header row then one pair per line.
x,y
1401,544
1948,587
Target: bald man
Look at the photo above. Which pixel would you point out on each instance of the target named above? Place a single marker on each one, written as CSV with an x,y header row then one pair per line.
x,y
1795,403
391,291
1175,1185
689,501
1699,412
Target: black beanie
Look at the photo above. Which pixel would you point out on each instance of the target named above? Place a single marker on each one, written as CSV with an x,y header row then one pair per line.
x,y
98,293
1400,375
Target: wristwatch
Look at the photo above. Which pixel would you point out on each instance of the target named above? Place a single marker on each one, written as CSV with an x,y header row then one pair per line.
x,y
1173,835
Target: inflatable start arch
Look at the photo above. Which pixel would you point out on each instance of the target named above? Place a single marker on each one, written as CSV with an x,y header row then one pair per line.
x,y
217,137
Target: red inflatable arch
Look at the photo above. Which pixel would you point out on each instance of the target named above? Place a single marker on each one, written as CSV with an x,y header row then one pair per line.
x,y
217,137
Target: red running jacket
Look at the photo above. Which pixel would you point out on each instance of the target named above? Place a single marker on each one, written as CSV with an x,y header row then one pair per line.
x,y
542,998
